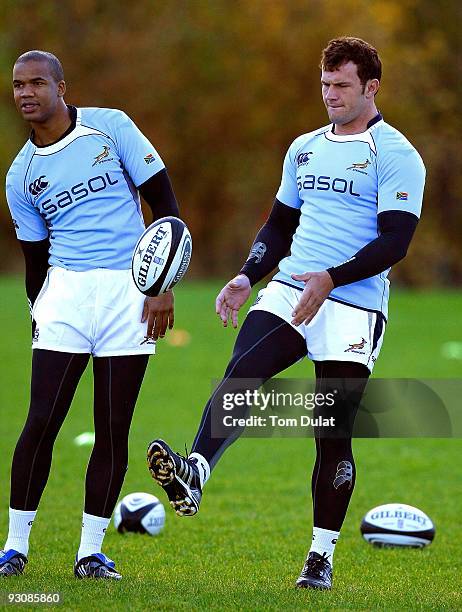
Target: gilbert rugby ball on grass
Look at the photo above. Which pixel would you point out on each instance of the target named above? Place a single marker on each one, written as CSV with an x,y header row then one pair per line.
x,y
397,525
161,256
139,513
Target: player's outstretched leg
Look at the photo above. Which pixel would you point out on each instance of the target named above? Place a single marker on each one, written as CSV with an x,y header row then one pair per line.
x,y
334,471
256,358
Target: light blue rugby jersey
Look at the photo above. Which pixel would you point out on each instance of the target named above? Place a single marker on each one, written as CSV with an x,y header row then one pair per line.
x,y
340,184
82,191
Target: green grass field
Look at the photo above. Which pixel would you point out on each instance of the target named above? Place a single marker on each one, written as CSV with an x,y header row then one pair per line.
x,y
246,547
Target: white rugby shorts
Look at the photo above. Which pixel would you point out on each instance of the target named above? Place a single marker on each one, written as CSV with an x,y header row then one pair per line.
x,y
338,332
97,311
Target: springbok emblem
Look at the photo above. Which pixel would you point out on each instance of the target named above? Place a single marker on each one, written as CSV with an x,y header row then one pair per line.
x,y
361,166
356,347
104,153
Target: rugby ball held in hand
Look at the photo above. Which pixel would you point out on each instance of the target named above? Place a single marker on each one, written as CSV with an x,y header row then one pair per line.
x,y
161,256
397,525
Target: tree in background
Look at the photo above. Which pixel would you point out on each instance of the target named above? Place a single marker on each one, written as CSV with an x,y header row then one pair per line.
x,y
222,87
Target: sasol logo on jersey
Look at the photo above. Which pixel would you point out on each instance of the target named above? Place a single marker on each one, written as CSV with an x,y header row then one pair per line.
x,y
325,183
303,158
77,192
38,186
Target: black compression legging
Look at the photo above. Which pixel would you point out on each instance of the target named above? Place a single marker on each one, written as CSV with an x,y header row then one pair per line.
x,y
265,346
334,471
55,377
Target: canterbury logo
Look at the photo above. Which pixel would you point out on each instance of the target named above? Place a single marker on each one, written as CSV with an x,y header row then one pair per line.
x,y
99,158
258,251
356,347
344,474
39,185
361,166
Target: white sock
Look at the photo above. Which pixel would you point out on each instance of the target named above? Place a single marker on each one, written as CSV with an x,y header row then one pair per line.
x,y
19,529
203,465
93,532
324,541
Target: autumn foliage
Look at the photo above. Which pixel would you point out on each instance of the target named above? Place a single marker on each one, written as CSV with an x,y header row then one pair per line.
x,y
222,87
